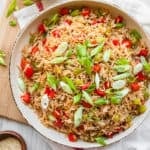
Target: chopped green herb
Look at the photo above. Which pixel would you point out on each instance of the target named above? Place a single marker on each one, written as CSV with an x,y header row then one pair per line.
x,y
52,81
75,12
120,25
21,84
66,87
122,68
135,36
58,60
2,53
121,76
70,83
81,50
76,98
101,141
87,97
91,88
78,116
32,38
115,100
27,2
34,87
11,8
2,62
101,101
122,61
98,49
12,23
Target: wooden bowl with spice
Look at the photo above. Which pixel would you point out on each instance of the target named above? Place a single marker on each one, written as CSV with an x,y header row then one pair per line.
x,y
11,140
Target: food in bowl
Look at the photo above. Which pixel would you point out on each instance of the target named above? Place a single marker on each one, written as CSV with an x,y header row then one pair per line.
x,y
85,73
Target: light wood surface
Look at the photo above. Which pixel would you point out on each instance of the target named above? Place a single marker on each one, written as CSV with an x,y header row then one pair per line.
x,y
7,37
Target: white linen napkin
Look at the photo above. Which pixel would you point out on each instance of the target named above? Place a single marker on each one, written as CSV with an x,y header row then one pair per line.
x,y
139,139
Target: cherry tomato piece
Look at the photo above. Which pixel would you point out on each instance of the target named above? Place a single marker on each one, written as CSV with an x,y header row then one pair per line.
x,y
26,98
72,137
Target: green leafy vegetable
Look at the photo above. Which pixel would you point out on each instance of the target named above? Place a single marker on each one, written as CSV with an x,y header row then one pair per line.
x,y
69,53
78,116
2,53
11,8
98,49
70,83
76,98
34,87
81,50
137,68
54,19
12,23
122,68
87,97
32,38
146,65
115,100
21,84
122,93
61,49
91,88
106,55
122,61
101,141
2,61
120,25
97,80
101,101
66,87
135,36
121,76
27,2
58,60
75,12
52,81
118,84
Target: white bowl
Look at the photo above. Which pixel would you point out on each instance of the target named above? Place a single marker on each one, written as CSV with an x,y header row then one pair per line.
x,y
22,40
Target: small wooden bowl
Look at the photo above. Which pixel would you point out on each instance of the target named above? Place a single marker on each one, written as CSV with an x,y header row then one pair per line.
x,y
6,134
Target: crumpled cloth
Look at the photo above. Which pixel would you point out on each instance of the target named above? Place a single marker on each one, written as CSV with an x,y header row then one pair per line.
x,y
140,138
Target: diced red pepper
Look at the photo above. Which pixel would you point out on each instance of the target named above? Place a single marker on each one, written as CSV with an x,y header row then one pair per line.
x,y
23,63
116,42
68,21
94,21
56,33
109,135
143,52
34,50
96,68
56,113
50,92
85,86
86,12
58,123
86,105
100,92
141,76
135,86
41,28
118,19
44,41
64,11
28,71
39,5
107,84
101,20
94,42
26,98
53,48
127,43
72,137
